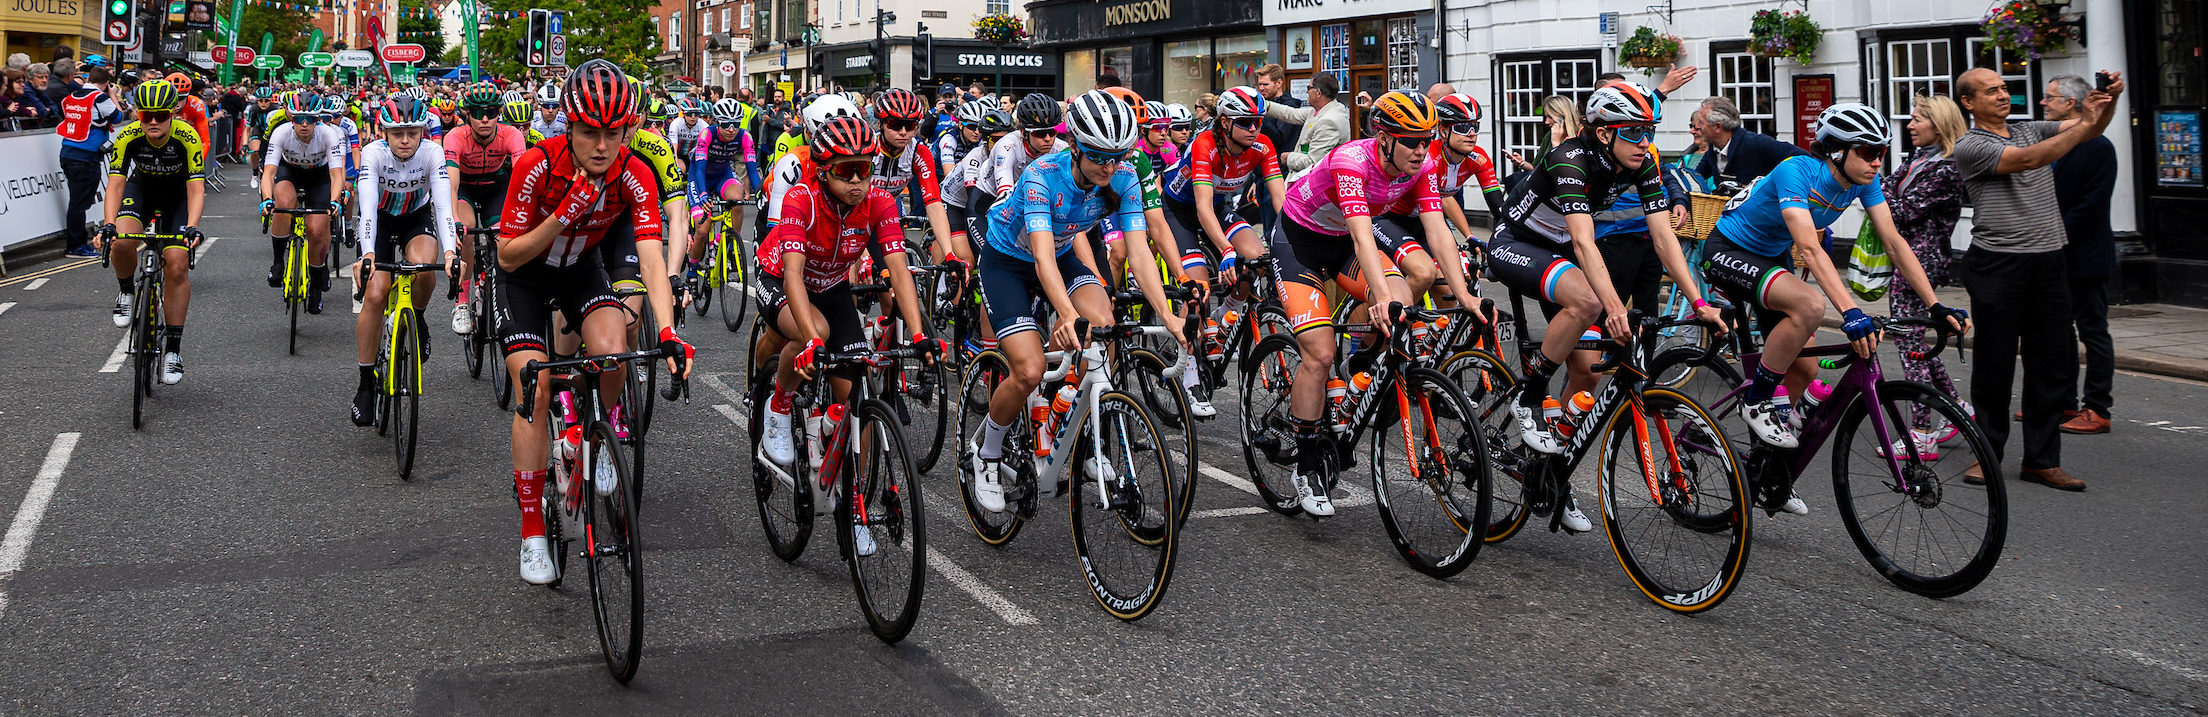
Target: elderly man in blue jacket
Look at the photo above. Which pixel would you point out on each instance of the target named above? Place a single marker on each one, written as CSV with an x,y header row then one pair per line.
x,y
1736,154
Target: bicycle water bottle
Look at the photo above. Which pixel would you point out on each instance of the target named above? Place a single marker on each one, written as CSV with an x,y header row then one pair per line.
x,y
1552,413
828,457
1337,396
1574,410
1212,347
1816,394
1060,405
815,424
1038,411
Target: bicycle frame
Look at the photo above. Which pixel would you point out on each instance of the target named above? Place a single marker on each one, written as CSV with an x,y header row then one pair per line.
x,y
1095,380
399,315
1859,382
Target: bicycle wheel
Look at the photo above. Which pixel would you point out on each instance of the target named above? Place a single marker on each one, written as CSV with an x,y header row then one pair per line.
x,y
1125,525
477,342
1144,371
642,379
1268,439
982,376
1486,383
295,285
738,301
1674,501
1430,473
884,500
145,343
1915,520
614,550
406,407
785,509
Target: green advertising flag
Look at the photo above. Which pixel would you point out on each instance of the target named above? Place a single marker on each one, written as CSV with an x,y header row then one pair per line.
x,y
470,18
230,35
314,40
268,45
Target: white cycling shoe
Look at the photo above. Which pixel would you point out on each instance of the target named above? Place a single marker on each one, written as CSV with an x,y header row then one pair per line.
x,y
1766,420
776,440
122,310
536,561
1574,520
1200,408
172,368
1795,505
1531,430
1312,498
463,319
988,484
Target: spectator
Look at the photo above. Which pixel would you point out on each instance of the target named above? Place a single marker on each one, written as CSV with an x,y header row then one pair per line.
x,y
1272,82
1108,78
88,113
1205,112
64,82
1737,155
19,61
2017,276
1439,90
2083,180
1325,124
232,110
15,100
1561,115
1926,195
41,75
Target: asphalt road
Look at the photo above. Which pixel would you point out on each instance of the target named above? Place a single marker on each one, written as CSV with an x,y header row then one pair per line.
x,y
250,551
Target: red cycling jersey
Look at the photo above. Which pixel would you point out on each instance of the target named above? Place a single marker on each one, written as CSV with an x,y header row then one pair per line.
x,y
830,236
893,173
1478,167
1227,174
483,162
542,178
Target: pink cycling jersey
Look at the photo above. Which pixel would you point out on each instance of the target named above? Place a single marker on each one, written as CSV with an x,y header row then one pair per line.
x,y
1351,183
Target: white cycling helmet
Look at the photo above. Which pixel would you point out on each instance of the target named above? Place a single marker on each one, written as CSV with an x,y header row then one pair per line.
x,y
972,112
826,108
513,96
1623,103
1102,122
549,93
728,109
1177,113
1851,124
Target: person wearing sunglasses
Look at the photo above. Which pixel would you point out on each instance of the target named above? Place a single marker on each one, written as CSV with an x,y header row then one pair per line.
x,y
409,198
480,161
1179,124
828,224
305,163
1787,210
158,172
907,168
694,119
964,133
724,163
1034,249
1204,190
551,121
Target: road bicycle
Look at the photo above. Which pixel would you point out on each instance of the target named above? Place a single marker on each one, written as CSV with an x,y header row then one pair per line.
x,y
724,267
1430,476
917,391
1243,323
481,347
296,278
399,362
1903,490
595,495
856,452
1119,500
148,324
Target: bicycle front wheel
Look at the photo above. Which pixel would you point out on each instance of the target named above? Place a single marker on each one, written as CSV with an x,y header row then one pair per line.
x,y
737,302
145,343
406,407
613,550
884,503
1268,438
1673,501
1168,403
1430,473
1486,383
785,508
1125,525
1913,516
983,374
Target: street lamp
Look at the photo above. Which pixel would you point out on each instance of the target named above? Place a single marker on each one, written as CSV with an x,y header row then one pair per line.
x,y
880,53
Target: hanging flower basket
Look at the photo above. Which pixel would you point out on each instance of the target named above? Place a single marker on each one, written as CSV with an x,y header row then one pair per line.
x,y
1649,50
1790,34
1000,29
2023,27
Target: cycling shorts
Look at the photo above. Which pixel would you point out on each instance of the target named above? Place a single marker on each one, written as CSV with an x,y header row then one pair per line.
x,y
1303,261
525,298
1189,230
715,184
489,201
313,183
956,216
1744,276
836,305
1011,290
396,230
1529,268
161,203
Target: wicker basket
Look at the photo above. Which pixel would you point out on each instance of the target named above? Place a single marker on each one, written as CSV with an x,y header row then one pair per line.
x,y
1702,211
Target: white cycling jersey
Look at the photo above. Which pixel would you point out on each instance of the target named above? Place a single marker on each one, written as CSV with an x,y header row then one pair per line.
x,y
964,176
325,147
1006,161
397,187
779,182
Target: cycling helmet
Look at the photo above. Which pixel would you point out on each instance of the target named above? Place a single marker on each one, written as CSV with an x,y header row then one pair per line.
x,y
842,137
1036,111
403,111
1133,100
549,94
1177,114
95,61
728,111
828,107
599,95
300,105
996,120
1153,113
658,110
898,104
482,101
155,96
513,95
1623,103
333,107
1459,107
444,105
1242,101
694,106
972,112
180,80
418,92
1851,124
516,113
1100,121
1402,114
264,92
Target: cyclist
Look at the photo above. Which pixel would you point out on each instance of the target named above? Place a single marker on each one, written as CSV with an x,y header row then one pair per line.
x,y
516,115
192,109
1157,130
158,170
905,163
1420,243
1037,116
1549,233
305,163
1203,189
568,192
1179,125
256,124
1033,248
1788,209
828,223
992,124
694,119
724,162
960,138
1140,259
404,184
480,161
789,166
550,121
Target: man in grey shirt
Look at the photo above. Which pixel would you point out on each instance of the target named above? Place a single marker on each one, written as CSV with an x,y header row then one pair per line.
x,y
2015,270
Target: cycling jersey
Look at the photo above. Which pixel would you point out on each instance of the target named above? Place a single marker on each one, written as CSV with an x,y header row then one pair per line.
x,y
1476,170
1006,160
277,117
183,158
1227,174
684,131
546,130
789,142
830,236
542,179
951,148
964,174
398,188
323,148
788,172
1752,219
659,156
480,162
193,111
1351,182
714,162
893,174
1575,178
1048,199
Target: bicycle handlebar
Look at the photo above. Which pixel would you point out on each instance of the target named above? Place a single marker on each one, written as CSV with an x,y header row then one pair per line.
x,y
1938,326
527,406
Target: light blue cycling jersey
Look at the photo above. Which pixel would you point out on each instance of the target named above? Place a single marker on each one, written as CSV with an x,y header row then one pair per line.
x,y
1048,199
1752,220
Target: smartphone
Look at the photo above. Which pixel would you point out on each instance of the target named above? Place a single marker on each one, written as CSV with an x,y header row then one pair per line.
x,y
2101,80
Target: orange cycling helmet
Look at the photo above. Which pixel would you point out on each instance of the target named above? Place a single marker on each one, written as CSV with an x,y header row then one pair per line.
x,y
1142,112
1404,116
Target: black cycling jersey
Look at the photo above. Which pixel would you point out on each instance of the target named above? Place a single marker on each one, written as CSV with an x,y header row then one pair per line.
x,y
1577,177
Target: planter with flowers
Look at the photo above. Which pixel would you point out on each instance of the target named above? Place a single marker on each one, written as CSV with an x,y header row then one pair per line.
x,y
1000,29
1648,50
1789,34
2026,28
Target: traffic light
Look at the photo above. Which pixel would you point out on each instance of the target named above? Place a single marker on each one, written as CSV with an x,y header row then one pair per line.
x,y
540,36
923,54
118,21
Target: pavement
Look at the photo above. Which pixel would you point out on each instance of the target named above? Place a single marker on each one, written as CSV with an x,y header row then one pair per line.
x,y
2158,339
250,552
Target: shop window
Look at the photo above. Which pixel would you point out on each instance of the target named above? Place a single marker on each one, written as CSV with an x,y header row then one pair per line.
x,y
1746,80
1334,52
1000,6
1120,59
2182,78
1080,71
1187,71
1530,79
1403,53
1238,60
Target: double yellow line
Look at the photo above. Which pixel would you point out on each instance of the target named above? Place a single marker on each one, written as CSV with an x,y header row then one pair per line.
x,y
13,280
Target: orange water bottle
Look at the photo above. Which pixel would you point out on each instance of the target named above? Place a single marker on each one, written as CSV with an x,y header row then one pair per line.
x,y
1059,407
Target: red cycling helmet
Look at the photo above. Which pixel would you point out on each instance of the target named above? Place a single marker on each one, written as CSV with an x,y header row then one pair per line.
x,y
898,104
598,94
844,137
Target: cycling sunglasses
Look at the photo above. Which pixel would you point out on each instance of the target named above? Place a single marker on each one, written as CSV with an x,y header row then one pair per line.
x,y
1465,128
1104,158
306,119
1247,122
1180,126
1044,133
1869,152
976,126
155,117
850,171
900,125
1637,135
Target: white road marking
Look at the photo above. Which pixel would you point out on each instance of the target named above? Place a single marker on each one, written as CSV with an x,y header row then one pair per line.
x,y
1229,512
1228,478
115,360
205,245
4,307
2152,661
996,602
17,545
35,283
